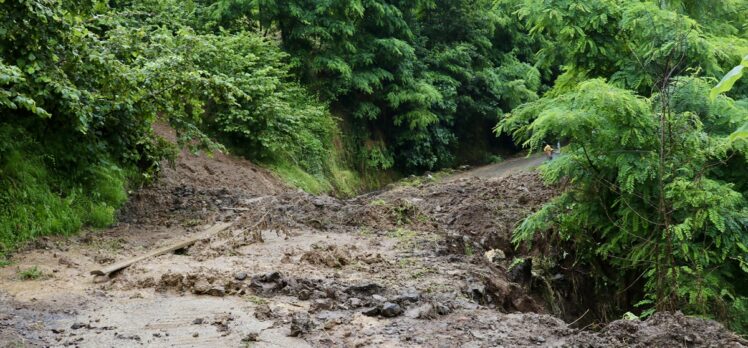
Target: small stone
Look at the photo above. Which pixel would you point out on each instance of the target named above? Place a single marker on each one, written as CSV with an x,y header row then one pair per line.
x,y
201,287
409,296
495,255
331,323
217,291
366,289
271,277
371,312
442,309
425,311
263,312
354,302
321,304
77,326
538,339
390,310
305,295
251,337
198,321
240,276
300,324
195,334
477,291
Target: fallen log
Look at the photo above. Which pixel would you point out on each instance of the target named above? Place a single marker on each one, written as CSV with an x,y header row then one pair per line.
x,y
167,249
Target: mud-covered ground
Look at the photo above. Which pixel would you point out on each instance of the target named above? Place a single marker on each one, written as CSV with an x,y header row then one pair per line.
x,y
428,265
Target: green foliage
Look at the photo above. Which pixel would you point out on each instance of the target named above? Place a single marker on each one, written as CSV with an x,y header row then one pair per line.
x,y
726,85
238,88
633,43
729,80
31,273
35,201
683,228
82,83
656,192
412,77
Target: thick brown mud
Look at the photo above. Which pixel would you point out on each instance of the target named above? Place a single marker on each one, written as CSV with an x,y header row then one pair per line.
x,y
423,266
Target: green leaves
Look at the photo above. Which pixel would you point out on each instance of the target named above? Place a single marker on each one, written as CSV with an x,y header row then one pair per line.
x,y
726,85
611,211
729,80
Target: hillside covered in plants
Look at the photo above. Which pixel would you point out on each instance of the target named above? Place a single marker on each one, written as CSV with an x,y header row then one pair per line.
x,y
649,206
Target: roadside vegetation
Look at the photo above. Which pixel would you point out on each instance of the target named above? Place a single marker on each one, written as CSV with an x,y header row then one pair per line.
x,y
654,214
341,96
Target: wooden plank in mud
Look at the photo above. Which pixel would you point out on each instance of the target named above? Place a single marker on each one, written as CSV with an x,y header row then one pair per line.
x,y
167,249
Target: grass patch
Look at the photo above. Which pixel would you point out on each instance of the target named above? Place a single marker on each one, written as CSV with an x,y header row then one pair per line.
x,y
402,234
112,245
36,200
297,177
365,231
378,203
31,273
255,299
415,181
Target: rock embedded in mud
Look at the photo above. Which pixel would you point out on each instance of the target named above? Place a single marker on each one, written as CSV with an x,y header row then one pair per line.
x,y
217,291
442,309
408,296
269,282
366,289
425,311
322,304
126,337
495,255
304,295
77,326
476,291
203,287
371,312
354,302
240,276
263,312
301,324
251,337
522,273
391,310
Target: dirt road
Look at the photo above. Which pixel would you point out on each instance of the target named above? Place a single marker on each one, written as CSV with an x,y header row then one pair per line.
x,y
504,168
423,266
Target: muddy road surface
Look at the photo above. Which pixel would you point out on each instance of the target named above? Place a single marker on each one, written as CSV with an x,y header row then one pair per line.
x,y
412,266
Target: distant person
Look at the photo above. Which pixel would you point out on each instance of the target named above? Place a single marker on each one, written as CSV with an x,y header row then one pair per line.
x,y
548,151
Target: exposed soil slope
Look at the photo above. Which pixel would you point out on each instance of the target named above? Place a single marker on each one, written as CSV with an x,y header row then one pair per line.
x,y
410,266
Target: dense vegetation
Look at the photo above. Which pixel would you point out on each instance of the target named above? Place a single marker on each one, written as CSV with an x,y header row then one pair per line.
x,y
655,205
83,83
329,93
419,82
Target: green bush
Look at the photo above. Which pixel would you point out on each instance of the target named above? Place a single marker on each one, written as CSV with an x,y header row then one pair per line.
x,y
670,213
36,201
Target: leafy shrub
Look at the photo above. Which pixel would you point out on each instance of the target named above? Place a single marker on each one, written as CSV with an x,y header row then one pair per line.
x,y
411,77
671,215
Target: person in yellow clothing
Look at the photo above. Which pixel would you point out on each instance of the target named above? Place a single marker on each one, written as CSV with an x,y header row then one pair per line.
x,y
548,149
